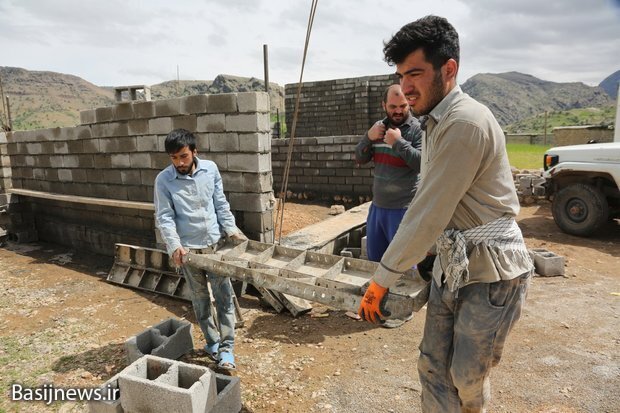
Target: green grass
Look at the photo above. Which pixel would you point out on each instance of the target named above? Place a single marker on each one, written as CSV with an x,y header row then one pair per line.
x,y
604,115
524,156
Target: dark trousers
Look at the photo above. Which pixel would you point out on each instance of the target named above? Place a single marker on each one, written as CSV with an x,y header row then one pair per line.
x,y
464,336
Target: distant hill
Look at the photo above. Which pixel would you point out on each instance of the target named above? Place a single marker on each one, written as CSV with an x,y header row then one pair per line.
x,y
514,96
221,84
603,116
610,84
49,99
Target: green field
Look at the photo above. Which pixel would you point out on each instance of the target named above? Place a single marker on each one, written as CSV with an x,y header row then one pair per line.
x,y
524,156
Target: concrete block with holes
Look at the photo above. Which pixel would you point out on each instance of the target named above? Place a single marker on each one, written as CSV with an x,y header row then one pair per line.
x,y
169,339
158,385
547,263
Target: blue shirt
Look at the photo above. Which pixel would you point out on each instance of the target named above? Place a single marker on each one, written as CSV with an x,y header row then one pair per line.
x,y
191,210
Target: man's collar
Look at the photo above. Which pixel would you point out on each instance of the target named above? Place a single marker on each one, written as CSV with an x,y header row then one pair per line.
x,y
174,174
442,107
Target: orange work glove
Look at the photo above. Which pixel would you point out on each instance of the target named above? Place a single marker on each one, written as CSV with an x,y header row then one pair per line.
x,y
371,303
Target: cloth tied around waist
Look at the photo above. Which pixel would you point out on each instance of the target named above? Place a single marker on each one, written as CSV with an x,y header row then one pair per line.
x,y
502,233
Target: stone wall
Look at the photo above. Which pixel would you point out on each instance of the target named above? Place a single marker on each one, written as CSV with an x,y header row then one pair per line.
x,y
336,107
117,152
323,168
577,135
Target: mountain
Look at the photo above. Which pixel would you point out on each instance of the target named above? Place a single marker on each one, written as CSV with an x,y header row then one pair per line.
x,y
221,84
514,96
48,99
610,84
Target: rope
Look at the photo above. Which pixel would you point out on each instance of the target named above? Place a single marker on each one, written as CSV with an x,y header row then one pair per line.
x,y
287,167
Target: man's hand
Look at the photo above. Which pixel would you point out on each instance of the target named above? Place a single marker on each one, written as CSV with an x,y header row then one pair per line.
x,y
238,236
377,131
391,136
177,256
371,303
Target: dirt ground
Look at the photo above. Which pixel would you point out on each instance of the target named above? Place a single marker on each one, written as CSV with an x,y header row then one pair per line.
x,y
61,323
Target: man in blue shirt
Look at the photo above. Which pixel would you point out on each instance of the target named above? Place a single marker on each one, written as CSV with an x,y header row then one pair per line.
x,y
193,214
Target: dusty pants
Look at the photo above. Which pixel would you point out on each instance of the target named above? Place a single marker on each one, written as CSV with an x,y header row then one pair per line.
x,y
464,336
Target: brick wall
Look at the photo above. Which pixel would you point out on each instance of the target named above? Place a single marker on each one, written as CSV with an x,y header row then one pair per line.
x,y
323,168
336,107
116,153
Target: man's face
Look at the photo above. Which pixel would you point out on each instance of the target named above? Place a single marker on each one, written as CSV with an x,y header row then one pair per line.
x,y
423,87
396,107
183,160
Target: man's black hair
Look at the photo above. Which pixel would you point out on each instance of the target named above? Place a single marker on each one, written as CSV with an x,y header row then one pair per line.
x,y
179,139
433,34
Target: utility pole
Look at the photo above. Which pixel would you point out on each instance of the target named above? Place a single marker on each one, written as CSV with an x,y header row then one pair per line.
x,y
8,113
545,141
266,67
3,104
178,81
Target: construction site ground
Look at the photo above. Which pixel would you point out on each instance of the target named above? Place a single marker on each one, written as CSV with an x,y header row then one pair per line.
x,y
62,323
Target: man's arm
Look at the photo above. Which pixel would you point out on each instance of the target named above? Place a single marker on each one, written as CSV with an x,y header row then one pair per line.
x,y
225,218
408,150
164,217
364,151
449,175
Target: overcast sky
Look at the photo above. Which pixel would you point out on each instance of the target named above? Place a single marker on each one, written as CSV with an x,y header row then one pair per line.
x,y
123,42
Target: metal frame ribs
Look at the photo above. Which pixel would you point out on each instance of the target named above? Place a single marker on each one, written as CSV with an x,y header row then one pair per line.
x,y
339,282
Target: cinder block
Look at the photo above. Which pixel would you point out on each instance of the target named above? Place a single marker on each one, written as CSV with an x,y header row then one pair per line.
x,y
90,146
169,339
160,126
104,130
83,132
223,142
364,251
105,114
185,122
167,107
87,117
251,202
222,103
147,176
143,110
65,175
253,102
242,162
211,123
140,160
252,122
138,127
546,263
153,384
194,104
112,401
147,143
120,160
228,398
257,182
123,111
130,177
255,142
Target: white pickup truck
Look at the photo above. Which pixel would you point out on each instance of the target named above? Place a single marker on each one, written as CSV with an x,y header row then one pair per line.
x,y
583,184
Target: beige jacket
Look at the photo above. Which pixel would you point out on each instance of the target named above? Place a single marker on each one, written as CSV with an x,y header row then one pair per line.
x,y
465,182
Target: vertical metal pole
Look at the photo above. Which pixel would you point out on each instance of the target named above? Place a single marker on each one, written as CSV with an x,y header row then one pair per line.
x,y
266,65
2,98
8,113
178,80
545,142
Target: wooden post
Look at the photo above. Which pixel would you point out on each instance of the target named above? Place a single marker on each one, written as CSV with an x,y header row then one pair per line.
x,y
3,104
266,67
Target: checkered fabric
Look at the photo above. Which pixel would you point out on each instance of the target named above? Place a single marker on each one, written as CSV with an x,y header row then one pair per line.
x,y
502,233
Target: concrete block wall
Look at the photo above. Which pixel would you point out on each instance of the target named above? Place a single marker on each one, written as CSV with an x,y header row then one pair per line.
x,y
323,167
336,107
117,152
578,135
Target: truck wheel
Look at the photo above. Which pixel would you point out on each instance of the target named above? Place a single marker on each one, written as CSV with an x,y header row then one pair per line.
x,y
580,209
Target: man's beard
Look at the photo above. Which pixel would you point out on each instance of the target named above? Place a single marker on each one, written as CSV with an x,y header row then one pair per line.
x,y
435,95
188,167
397,122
